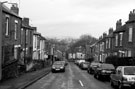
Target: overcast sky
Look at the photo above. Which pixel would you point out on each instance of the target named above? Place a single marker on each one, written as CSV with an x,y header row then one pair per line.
x,y
72,18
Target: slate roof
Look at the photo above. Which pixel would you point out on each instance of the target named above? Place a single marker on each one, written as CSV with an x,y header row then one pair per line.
x,y
120,29
9,11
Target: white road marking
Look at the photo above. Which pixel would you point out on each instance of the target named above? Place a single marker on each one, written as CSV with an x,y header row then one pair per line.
x,y
81,83
63,85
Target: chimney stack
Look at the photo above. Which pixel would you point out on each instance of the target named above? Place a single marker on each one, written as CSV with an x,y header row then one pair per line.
x,y
104,35
100,37
110,30
26,21
132,15
34,29
118,24
15,9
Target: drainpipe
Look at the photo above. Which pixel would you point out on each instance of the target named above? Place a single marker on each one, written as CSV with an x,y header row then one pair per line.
x,y
0,40
25,49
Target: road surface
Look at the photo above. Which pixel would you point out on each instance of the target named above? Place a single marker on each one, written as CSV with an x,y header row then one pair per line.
x,y
72,78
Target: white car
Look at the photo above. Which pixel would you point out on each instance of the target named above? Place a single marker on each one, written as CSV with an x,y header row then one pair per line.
x,y
124,76
80,61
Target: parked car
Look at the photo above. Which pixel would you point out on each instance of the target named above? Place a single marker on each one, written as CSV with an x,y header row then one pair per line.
x,y
79,62
65,62
76,61
92,66
58,66
104,70
84,65
124,76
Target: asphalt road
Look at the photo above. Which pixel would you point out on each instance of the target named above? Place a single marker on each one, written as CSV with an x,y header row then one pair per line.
x,y
73,78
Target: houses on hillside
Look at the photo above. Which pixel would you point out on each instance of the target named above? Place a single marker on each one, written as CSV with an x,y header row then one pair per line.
x,y
21,46
119,41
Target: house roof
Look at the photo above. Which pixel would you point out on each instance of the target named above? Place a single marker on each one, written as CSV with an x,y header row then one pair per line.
x,y
110,35
120,29
27,27
9,11
130,21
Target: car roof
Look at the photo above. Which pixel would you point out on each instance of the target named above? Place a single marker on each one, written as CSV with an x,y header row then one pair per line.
x,y
58,62
125,66
106,64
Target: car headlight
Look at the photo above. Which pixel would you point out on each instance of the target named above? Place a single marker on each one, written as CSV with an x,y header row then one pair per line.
x,y
61,67
103,71
53,67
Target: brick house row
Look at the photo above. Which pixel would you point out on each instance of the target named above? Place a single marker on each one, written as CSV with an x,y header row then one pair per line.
x,y
119,42
20,43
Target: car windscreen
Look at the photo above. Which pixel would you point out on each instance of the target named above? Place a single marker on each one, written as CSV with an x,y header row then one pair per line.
x,y
108,66
129,71
58,63
94,64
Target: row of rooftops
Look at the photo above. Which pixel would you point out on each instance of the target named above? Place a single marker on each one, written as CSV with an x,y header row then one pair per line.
x,y
14,10
119,26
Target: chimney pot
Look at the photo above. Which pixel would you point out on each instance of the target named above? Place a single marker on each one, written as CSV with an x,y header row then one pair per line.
x,y
110,30
26,21
15,9
118,23
132,15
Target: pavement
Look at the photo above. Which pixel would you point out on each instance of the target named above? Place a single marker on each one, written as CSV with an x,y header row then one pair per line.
x,y
24,80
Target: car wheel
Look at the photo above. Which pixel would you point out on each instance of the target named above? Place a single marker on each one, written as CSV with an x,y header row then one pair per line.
x,y
52,71
88,71
98,77
94,75
63,70
111,82
120,86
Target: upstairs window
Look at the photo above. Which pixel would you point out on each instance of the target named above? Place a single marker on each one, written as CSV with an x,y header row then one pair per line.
x,y
103,44
106,43
130,34
27,36
121,38
116,40
7,26
22,35
109,45
16,26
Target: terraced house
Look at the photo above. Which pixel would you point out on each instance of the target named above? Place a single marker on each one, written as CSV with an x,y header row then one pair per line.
x,y
10,29
119,42
20,43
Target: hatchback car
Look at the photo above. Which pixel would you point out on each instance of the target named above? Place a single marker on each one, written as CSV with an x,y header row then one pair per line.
x,y
58,66
123,77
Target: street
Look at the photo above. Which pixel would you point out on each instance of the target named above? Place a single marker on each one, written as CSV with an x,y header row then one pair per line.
x,y
73,78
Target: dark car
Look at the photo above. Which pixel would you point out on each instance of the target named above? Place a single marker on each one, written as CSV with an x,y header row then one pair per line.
x,y
58,66
104,71
84,65
92,66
